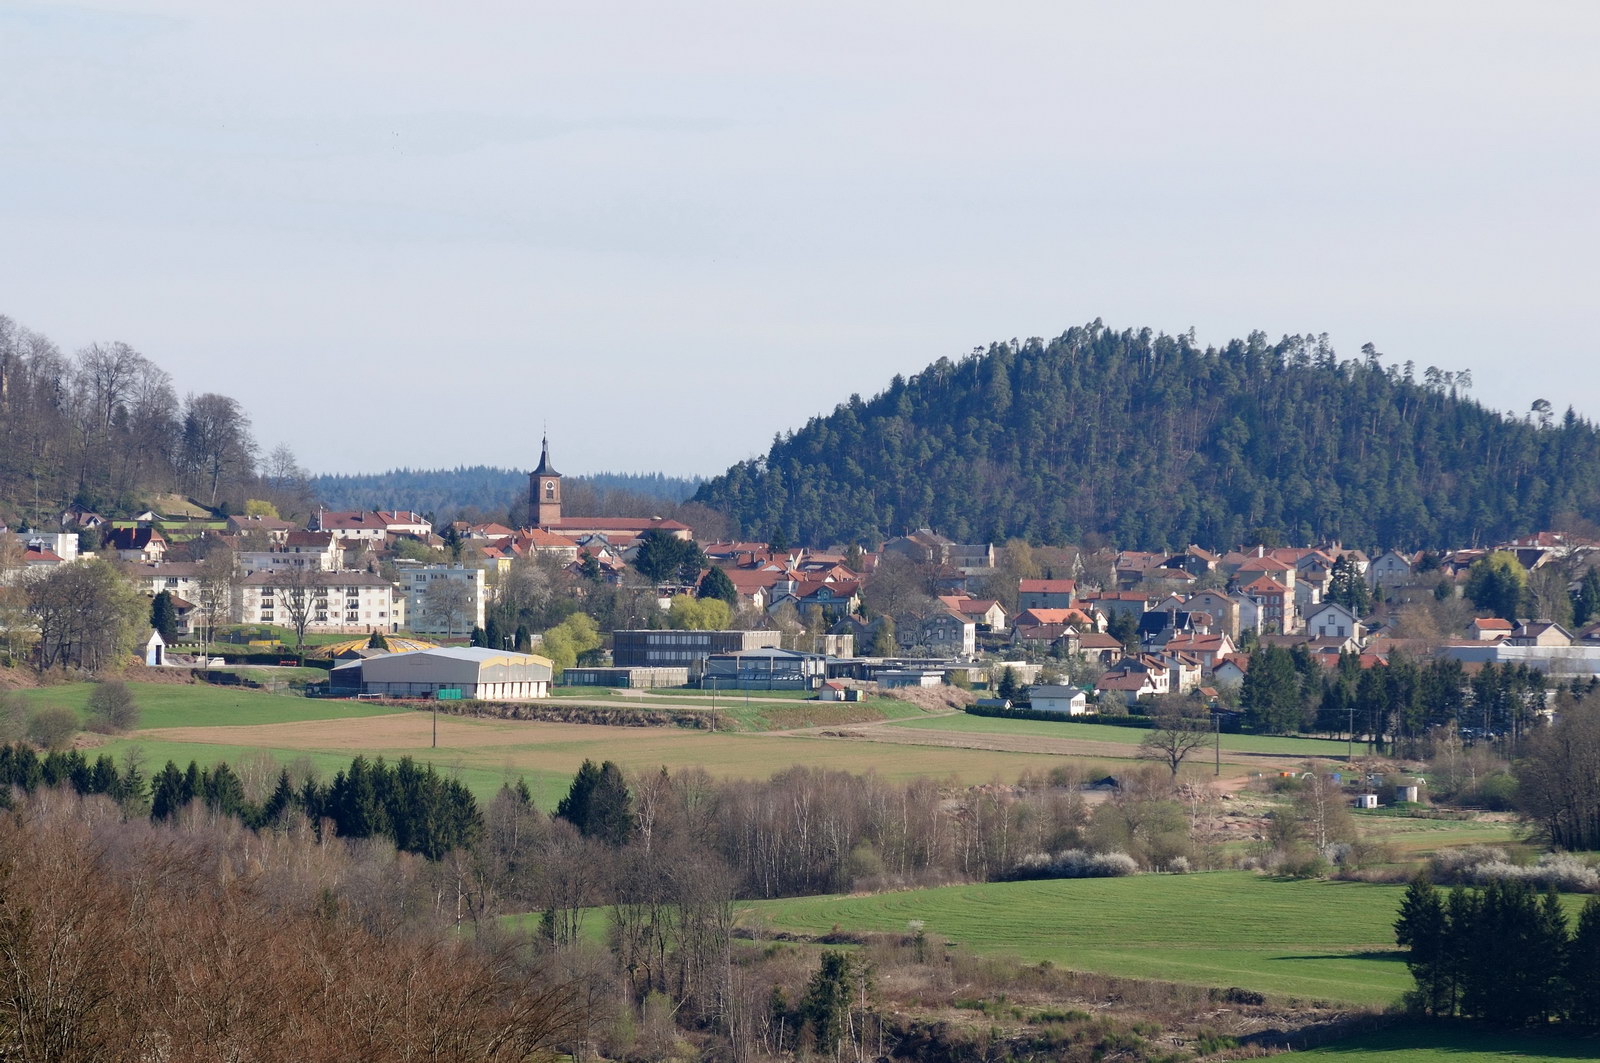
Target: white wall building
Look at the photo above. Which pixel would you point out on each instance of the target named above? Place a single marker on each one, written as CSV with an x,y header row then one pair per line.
x,y
350,602
445,599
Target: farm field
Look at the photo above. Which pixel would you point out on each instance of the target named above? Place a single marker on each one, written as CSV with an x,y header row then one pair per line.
x,y
1446,1043
207,724
1132,736
1308,939
202,705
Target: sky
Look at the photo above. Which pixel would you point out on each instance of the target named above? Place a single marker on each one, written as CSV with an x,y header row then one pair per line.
x,y
419,234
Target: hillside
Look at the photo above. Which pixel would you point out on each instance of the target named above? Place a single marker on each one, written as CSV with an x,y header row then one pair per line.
x,y
1156,443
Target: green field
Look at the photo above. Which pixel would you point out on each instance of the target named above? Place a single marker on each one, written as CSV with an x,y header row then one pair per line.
x,y
203,705
1100,732
1312,940
1463,1043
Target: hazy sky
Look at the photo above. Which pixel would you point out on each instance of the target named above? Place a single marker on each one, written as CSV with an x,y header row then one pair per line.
x,y
413,234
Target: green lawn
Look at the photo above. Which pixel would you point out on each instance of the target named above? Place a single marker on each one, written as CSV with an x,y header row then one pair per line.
x,y
1309,939
1463,1043
204,705
1100,732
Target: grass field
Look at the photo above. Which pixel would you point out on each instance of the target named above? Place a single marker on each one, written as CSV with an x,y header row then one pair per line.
x,y
209,723
203,705
1314,940
1231,743
1452,1043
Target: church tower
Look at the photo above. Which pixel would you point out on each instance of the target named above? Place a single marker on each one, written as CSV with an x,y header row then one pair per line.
x,y
544,491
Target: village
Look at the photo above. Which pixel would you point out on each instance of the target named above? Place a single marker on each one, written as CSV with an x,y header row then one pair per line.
x,y
1056,629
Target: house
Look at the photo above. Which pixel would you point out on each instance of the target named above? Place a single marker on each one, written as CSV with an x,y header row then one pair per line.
x,y
987,613
137,544
355,524
1330,619
320,551
79,517
1095,646
833,690
271,528
1275,600
923,546
1392,569
1207,649
1068,700
942,632
1491,629
1230,670
1045,593
1539,633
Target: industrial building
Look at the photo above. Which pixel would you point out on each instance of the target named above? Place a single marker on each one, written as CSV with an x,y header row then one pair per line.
x,y
446,673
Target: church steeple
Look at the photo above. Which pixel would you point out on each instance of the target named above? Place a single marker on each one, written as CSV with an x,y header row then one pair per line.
x,y
544,491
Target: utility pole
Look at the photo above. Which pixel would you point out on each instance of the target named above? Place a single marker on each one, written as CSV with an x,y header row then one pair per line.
x,y
1217,718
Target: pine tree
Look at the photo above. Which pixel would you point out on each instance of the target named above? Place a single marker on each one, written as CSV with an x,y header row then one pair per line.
x,y
716,584
1583,967
1586,606
1423,930
164,616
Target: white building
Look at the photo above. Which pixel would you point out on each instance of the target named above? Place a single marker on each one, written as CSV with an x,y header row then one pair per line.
x,y
1067,700
445,599
315,550
350,602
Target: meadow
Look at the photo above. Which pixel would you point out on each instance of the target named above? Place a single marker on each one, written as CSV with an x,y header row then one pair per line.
x,y
1311,940
209,723
1130,736
1458,1043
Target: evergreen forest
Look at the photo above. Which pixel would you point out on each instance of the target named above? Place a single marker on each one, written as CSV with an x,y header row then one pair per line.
x,y
1155,443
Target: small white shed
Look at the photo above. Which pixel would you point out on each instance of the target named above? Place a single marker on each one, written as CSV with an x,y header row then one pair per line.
x,y
155,650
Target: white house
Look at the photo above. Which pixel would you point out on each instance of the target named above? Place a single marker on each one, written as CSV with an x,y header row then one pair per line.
x,y
1063,699
1332,620
315,550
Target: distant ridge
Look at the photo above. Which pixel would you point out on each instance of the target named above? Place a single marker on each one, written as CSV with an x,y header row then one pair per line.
x,y
1154,443
481,489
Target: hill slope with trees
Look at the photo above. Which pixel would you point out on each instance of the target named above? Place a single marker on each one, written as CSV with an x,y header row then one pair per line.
x,y
1155,443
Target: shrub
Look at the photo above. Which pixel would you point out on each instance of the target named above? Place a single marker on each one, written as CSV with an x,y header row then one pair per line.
x,y
1480,865
1072,863
52,726
111,704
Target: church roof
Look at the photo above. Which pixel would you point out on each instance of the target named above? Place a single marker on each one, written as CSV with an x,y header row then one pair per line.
x,y
545,468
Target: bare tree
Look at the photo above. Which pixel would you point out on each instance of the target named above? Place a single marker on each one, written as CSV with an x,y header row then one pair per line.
x,y
219,575
1176,735
447,603
301,593
216,441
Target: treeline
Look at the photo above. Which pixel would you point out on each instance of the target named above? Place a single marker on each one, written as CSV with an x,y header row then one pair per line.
x,y
492,493
1156,443
1501,954
105,427
416,808
1397,704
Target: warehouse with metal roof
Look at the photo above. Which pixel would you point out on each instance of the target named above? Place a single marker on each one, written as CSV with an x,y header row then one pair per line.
x,y
448,672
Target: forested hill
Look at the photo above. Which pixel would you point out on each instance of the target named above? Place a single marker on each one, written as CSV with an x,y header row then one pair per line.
x,y
1157,443
486,491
